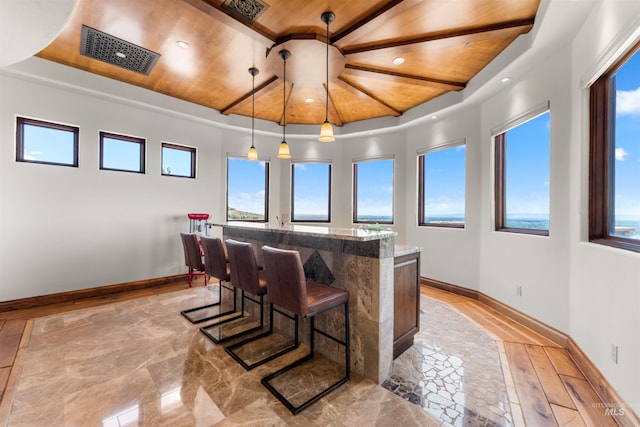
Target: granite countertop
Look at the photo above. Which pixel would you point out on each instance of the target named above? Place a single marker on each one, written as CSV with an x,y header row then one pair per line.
x,y
316,231
401,250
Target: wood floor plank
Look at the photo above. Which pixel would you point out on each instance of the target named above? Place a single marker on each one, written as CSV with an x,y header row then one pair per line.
x,y
551,383
562,362
567,417
587,402
10,336
4,377
535,407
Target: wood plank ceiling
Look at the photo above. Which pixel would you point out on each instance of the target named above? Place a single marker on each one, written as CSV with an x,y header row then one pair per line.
x,y
444,44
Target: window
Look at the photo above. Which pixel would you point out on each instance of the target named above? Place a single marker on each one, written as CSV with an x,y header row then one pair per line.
x,y
441,186
373,191
121,153
522,175
178,160
614,178
48,143
247,190
311,192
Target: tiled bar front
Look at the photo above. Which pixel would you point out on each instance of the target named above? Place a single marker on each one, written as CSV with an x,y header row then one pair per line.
x,y
361,262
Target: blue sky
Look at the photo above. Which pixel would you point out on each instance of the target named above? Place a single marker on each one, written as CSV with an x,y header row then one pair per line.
x,y
527,168
375,188
311,189
445,182
627,151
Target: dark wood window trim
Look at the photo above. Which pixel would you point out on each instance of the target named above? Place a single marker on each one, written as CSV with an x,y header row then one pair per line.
x,y
266,196
22,121
293,215
601,160
421,198
355,197
192,150
500,191
140,141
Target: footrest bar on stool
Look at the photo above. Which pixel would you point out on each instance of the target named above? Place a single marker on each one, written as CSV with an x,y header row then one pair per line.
x,y
297,409
186,313
249,366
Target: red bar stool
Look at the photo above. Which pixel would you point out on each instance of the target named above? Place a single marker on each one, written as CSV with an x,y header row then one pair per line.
x,y
246,276
215,265
288,289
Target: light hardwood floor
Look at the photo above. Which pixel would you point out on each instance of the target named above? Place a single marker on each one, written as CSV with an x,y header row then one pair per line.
x,y
545,386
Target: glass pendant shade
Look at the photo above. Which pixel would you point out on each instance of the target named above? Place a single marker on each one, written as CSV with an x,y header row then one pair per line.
x,y
326,132
252,154
283,151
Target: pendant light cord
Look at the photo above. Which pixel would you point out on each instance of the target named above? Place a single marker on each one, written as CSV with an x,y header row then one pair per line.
x,y
326,111
284,99
253,105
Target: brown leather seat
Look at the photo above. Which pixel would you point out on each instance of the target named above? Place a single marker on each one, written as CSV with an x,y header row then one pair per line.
x,y
215,265
246,276
288,289
192,257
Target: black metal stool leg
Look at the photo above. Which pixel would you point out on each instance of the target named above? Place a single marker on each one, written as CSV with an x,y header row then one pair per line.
x,y
188,313
206,329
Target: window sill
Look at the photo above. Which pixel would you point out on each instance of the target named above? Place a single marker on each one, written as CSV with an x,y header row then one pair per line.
x,y
618,243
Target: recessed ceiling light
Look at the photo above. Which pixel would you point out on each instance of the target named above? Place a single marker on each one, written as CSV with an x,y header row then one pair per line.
x,y
308,100
121,55
399,60
434,117
505,80
182,44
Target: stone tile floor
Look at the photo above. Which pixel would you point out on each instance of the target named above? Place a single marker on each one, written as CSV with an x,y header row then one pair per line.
x,y
453,370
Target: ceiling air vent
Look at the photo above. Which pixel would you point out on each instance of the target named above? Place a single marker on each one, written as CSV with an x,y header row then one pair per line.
x,y
112,50
247,9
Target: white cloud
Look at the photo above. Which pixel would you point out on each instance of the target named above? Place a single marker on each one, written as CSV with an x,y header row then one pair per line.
x,y
628,102
621,154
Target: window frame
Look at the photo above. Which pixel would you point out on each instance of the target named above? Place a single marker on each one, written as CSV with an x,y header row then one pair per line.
x,y
500,145
22,121
328,220
133,139
267,166
355,190
173,146
602,158
421,187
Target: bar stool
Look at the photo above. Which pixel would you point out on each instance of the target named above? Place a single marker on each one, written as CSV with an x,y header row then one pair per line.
x,y
192,257
215,265
289,290
246,276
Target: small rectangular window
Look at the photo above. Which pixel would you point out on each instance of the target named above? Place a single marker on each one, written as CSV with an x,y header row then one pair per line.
x,y
247,190
373,191
121,153
310,192
522,170
48,143
441,187
178,160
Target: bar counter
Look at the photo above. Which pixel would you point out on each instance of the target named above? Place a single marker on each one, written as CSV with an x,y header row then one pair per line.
x,y
357,260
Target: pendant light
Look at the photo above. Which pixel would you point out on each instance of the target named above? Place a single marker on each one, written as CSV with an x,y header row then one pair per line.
x,y
283,150
326,131
253,153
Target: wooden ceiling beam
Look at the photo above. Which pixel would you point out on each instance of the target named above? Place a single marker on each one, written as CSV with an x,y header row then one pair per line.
x,y
447,84
226,18
390,10
525,24
244,97
359,88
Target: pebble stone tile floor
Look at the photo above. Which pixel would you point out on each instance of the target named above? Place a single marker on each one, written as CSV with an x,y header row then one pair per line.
x,y
453,370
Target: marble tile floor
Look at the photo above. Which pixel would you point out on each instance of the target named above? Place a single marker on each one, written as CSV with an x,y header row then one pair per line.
x,y
140,363
453,370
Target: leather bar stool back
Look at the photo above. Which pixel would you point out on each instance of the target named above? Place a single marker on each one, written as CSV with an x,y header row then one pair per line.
x,y
192,257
